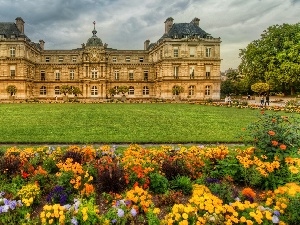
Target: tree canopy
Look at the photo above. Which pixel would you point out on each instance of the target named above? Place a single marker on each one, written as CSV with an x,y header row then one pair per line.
x,y
274,58
11,89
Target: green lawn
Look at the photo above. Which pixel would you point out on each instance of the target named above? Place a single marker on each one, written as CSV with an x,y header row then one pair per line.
x,y
121,123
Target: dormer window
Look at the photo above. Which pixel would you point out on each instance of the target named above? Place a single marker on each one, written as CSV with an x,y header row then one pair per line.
x,y
12,36
2,36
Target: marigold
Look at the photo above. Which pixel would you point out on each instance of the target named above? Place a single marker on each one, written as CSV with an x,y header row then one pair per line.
x,y
248,192
274,143
282,147
271,133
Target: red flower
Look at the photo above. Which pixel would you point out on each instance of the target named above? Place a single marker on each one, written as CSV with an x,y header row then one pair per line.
x,y
25,175
274,143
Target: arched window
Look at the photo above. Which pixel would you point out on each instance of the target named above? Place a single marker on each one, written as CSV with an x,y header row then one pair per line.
x,y
192,90
43,90
207,90
94,91
57,90
131,90
145,90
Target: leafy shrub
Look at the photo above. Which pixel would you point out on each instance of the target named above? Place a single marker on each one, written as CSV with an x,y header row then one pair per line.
x,y
171,197
110,176
174,167
221,189
77,156
182,183
10,165
158,183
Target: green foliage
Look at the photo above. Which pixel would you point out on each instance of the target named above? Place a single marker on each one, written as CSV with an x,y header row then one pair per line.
x,y
152,218
274,135
65,89
223,190
260,87
176,90
11,89
182,183
274,58
75,91
158,183
292,213
123,89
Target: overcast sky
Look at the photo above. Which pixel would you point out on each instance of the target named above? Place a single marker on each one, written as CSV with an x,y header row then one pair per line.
x,y
126,24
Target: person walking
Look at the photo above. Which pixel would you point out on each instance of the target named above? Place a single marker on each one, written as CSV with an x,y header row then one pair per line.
x,y
262,100
267,100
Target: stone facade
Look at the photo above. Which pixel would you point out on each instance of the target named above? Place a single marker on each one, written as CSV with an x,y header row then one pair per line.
x,y
185,56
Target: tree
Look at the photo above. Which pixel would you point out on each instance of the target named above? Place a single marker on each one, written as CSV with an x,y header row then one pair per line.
x,y
75,91
65,89
260,88
176,90
123,89
11,89
112,91
274,58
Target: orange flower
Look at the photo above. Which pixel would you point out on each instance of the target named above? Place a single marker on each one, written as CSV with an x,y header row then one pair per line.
x,y
248,192
271,133
274,143
282,147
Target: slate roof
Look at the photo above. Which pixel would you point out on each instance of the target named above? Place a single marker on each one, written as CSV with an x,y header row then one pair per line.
x,y
180,30
8,29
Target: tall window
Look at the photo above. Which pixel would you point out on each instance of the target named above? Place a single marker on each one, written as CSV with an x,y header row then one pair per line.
x,y
43,90
130,74
127,59
207,90
47,59
57,75
72,74
60,59
192,90
43,75
74,59
175,49
12,71
12,51
207,72
192,51
208,52
94,90
145,75
192,72
131,90
145,90
176,72
114,59
141,59
117,75
94,73
57,90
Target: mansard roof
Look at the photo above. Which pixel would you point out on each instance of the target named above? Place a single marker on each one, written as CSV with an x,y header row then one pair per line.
x,y
180,30
8,29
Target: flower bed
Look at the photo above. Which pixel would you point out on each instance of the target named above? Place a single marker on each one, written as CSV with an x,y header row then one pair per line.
x,y
256,184
96,186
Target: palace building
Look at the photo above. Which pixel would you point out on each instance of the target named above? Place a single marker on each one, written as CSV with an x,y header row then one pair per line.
x,y
185,56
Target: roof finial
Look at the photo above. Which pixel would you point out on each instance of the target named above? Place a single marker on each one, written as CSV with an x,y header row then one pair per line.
x,y
94,24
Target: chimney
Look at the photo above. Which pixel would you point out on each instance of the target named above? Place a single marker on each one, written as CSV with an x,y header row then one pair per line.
x,y
146,44
195,21
20,24
42,44
168,24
